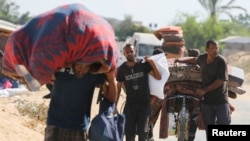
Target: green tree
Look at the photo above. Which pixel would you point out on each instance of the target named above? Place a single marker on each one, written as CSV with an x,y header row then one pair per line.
x,y
9,12
192,31
24,18
244,19
113,22
215,8
127,28
197,33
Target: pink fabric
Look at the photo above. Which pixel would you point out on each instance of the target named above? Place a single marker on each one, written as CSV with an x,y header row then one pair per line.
x,y
7,84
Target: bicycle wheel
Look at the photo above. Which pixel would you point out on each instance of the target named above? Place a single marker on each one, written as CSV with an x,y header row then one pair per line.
x,y
182,128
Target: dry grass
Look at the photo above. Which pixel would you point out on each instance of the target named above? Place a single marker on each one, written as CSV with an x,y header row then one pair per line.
x,y
33,110
36,114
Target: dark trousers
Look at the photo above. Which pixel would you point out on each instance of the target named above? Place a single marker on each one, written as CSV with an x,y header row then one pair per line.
x,y
215,114
136,122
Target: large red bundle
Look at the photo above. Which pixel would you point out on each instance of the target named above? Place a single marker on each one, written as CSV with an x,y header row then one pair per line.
x,y
58,38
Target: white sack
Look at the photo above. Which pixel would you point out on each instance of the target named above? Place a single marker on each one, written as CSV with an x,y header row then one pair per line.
x,y
157,86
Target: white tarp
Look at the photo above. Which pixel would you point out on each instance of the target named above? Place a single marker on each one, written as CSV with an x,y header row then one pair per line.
x,y
14,91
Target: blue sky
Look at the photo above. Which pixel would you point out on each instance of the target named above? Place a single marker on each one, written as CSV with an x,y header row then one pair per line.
x,y
161,12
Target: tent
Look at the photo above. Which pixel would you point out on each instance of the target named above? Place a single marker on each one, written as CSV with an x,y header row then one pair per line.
x,y
235,44
6,28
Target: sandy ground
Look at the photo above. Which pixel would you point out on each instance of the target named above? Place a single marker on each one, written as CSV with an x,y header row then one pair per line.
x,y
240,116
17,125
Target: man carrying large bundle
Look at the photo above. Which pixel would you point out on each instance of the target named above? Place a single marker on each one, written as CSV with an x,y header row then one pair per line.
x,y
64,36
71,43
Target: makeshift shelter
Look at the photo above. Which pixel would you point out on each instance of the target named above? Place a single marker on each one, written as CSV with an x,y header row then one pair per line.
x,y
6,28
235,44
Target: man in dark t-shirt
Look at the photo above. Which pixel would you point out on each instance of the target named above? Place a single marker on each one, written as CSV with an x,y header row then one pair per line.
x,y
133,74
70,105
215,105
74,97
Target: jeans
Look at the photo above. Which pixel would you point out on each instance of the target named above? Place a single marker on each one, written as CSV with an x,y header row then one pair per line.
x,y
215,114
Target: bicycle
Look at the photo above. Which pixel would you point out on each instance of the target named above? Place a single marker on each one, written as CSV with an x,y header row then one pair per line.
x,y
183,106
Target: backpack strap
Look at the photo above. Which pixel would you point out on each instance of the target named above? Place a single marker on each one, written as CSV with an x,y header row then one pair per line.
x,y
100,95
105,106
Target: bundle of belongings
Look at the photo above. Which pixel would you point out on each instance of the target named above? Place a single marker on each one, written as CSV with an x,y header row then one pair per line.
x,y
188,72
173,41
57,39
186,78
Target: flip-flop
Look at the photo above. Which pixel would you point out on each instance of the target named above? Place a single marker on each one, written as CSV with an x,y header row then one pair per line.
x,y
31,82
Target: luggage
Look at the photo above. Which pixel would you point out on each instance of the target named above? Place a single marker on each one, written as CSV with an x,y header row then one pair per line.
x,y
183,72
108,124
188,72
173,41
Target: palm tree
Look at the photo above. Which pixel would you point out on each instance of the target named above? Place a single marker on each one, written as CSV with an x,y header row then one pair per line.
x,y
215,7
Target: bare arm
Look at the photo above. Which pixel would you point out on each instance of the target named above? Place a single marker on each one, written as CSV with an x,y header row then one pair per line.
x,y
119,88
109,88
190,60
217,83
155,72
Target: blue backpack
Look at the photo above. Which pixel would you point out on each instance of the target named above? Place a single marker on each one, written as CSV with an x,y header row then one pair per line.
x,y
108,125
